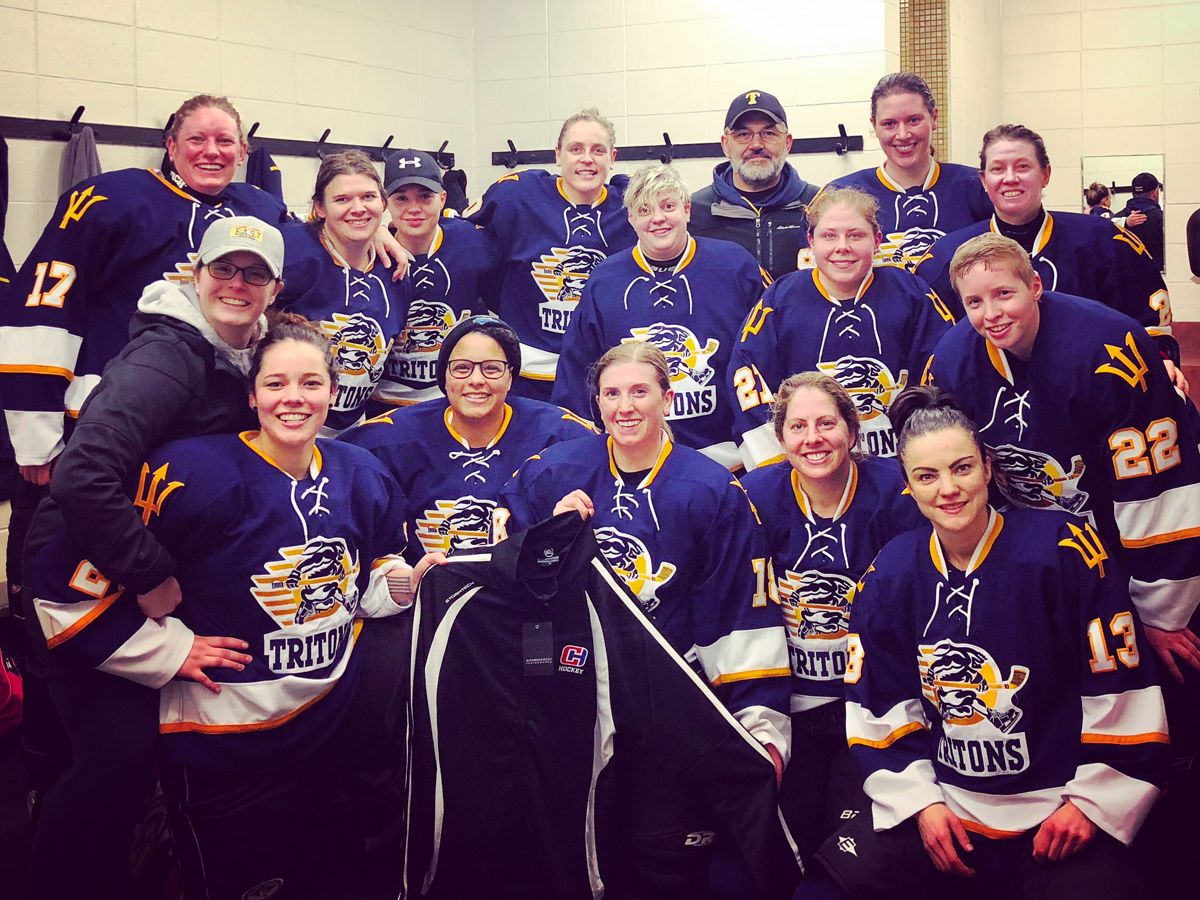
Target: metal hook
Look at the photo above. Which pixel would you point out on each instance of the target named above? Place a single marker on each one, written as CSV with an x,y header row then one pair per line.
x,y
438,156
74,127
253,130
511,162
167,127
321,144
383,150
843,145
668,153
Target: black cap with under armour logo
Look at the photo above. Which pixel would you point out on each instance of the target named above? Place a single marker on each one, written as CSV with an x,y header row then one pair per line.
x,y
755,101
411,167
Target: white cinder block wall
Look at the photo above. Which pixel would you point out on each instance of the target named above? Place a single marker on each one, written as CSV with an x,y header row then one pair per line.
x,y
674,65
1112,78
974,75
362,68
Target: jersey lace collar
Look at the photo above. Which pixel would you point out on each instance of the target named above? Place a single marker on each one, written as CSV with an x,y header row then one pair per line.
x,y
995,524
806,506
314,467
930,179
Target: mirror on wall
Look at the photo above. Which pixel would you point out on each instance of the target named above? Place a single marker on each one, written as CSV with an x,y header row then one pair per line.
x,y
1117,174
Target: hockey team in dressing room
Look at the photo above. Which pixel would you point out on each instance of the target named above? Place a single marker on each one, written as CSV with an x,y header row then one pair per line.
x,y
618,537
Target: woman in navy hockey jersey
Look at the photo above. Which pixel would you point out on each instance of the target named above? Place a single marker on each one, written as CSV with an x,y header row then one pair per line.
x,y
551,232
451,456
996,697
183,374
826,511
920,199
286,543
1073,253
872,327
687,296
679,530
332,278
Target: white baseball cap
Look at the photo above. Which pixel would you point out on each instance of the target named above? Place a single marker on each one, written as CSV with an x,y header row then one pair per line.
x,y
243,233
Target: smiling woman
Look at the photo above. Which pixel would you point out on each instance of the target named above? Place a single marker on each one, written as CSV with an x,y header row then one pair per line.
x,y
333,279
687,296
183,374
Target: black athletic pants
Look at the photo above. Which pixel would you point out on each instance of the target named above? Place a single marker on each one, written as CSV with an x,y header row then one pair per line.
x,y
822,784
82,842
893,865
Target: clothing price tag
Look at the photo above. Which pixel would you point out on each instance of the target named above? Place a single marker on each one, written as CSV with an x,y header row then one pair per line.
x,y
537,644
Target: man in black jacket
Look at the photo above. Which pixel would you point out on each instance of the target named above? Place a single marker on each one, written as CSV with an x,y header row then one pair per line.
x,y
1146,188
756,199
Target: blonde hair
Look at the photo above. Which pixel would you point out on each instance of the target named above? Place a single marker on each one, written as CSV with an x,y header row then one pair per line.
x,y
859,201
633,352
991,250
651,182
827,385
591,114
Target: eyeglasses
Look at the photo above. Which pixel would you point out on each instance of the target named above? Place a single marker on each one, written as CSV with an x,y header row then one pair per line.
x,y
255,276
746,135
491,368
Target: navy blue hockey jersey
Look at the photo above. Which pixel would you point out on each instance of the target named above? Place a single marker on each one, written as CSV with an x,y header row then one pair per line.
x,y
688,544
874,345
360,312
1087,256
951,198
445,290
452,488
67,313
1005,690
287,565
815,562
548,247
1091,424
693,314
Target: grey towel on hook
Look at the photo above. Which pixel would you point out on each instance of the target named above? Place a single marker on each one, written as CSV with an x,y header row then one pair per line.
x,y
80,160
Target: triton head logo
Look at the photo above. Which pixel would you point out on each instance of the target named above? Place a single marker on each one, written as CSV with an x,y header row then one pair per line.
x,y
965,684
428,322
631,560
868,382
358,345
562,273
1029,478
456,524
816,604
309,582
686,355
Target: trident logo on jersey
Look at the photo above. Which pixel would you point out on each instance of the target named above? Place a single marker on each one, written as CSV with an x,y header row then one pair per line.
x,y
561,275
359,350
309,582
816,605
869,383
964,683
456,524
1029,478
631,560
692,377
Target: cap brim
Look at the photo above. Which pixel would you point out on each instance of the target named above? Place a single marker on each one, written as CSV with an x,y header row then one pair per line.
x,y
765,112
394,186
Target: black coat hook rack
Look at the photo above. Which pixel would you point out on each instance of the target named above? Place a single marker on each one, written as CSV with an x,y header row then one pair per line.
x,y
23,129
841,144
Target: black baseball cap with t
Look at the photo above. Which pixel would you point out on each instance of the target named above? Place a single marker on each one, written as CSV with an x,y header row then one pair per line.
x,y
1145,183
411,167
755,102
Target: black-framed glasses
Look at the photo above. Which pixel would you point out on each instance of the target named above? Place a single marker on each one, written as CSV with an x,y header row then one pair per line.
x,y
491,368
255,276
746,135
